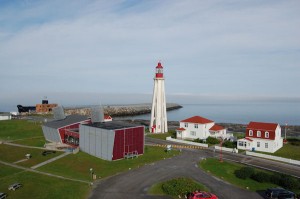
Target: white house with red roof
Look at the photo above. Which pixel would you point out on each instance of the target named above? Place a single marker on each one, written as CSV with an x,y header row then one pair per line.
x,y
107,118
260,136
199,127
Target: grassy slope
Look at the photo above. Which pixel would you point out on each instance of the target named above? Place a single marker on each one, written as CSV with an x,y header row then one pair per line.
x,y
37,141
19,129
161,136
78,166
12,154
225,171
287,151
40,186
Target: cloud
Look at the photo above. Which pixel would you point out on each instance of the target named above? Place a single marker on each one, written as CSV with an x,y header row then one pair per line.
x,y
227,47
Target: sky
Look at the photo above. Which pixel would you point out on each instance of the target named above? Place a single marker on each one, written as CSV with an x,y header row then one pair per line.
x,y
79,52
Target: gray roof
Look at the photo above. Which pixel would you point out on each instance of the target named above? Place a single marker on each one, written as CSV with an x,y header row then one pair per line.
x,y
112,125
70,119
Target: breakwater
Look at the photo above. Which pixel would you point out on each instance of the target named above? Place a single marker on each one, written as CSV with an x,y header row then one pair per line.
x,y
120,110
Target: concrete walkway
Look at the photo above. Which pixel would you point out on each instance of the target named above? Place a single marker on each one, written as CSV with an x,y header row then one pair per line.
x,y
43,173
50,160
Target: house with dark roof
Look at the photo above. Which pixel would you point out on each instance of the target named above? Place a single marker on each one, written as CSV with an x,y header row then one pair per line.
x,y
260,136
199,127
65,130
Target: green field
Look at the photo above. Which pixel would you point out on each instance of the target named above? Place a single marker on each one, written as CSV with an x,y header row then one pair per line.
x,y
36,141
78,165
40,186
225,171
12,154
19,129
287,151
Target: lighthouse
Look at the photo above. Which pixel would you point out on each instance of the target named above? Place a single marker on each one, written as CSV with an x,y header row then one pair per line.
x,y
158,122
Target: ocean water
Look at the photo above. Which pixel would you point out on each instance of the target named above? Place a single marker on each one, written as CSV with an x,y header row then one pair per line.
x,y
241,113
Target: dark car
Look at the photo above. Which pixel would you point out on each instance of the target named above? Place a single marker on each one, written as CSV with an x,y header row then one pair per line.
x,y
279,193
14,186
3,195
48,152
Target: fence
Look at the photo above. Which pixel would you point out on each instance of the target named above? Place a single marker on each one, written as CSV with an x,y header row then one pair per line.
x,y
273,157
187,142
227,149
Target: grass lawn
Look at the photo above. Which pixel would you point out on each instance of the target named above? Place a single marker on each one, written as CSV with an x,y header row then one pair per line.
x,y
12,154
41,186
7,171
36,141
225,171
78,165
19,129
161,136
287,151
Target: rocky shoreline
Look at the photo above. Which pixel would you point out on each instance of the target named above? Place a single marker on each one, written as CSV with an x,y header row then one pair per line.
x,y
121,110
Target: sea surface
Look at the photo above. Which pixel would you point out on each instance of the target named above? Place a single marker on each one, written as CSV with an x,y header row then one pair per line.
x,y
240,113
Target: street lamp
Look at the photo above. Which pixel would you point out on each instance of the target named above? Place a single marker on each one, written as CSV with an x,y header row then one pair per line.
x,y
91,171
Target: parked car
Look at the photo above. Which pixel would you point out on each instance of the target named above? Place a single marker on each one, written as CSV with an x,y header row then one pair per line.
x,y
48,152
14,186
202,195
279,193
3,195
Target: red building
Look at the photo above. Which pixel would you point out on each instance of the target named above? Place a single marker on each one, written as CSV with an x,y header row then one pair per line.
x,y
112,140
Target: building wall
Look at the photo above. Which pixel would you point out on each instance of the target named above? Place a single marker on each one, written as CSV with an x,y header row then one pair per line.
x,y
273,145
130,140
44,108
97,142
5,117
51,134
191,132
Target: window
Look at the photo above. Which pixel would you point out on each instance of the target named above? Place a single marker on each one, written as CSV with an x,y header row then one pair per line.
x,y
250,133
266,134
186,124
258,144
193,133
258,133
266,145
241,143
196,126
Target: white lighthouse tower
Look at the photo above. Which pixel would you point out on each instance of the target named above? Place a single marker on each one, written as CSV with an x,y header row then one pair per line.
x,y
158,123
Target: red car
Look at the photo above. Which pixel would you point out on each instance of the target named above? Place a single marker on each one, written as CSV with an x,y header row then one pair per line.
x,y
202,195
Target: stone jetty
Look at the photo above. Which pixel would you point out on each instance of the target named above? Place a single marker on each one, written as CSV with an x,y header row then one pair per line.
x,y
120,110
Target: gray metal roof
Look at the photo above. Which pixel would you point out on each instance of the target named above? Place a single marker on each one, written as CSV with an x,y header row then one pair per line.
x,y
70,119
112,125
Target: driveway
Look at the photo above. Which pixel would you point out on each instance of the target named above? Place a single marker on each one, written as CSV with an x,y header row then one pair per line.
x,y
135,183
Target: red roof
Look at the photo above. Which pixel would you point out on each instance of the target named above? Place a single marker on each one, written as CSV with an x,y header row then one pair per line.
x,y
248,139
262,126
216,128
159,65
197,119
180,129
107,117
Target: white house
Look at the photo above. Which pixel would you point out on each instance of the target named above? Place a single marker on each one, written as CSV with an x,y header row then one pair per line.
x,y
107,118
5,116
199,127
265,137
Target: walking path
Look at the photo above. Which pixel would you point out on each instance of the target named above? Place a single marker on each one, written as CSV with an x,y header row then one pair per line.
x,y
50,160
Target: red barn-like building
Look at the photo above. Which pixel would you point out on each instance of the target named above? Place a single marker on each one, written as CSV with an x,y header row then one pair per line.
x,y
112,140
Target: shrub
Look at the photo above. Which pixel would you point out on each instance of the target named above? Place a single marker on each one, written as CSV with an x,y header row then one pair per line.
x,y
289,182
294,141
261,177
275,178
180,186
198,140
230,144
212,140
244,172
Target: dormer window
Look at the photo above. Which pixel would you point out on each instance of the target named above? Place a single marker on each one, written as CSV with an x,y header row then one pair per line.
x,y
258,134
266,134
250,133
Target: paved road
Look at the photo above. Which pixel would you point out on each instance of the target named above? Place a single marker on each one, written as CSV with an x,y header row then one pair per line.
x,y
271,165
135,183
